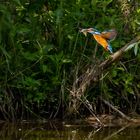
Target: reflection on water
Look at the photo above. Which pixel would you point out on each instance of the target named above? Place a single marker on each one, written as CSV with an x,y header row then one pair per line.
x,y
57,131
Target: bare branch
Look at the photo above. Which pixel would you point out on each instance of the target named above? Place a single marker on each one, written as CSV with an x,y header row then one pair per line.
x,y
93,74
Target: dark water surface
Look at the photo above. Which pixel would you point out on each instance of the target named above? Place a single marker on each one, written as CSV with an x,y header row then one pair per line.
x,y
58,131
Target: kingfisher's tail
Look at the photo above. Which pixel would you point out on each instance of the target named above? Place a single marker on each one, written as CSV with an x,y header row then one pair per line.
x,y
109,48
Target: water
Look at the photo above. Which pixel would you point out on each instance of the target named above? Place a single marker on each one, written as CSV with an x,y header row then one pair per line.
x,y
58,131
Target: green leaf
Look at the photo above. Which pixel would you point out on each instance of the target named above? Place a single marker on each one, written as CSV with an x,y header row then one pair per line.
x,y
114,73
30,56
130,46
136,49
66,60
23,30
29,81
17,2
121,68
45,69
5,52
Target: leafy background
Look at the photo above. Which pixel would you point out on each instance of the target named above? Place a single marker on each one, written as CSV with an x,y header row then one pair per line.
x,y
42,52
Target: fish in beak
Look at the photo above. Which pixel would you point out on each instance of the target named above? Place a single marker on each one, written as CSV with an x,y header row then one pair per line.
x,y
89,30
84,31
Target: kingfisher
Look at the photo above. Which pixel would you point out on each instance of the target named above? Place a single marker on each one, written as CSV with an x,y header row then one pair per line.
x,y
103,38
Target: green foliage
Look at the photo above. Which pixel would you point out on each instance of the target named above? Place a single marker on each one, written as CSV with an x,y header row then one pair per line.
x,y
41,52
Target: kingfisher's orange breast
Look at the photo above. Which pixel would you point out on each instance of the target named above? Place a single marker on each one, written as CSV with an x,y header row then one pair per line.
x,y
101,40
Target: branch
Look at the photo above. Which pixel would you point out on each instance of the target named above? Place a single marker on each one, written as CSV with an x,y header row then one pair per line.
x,y
116,110
117,55
93,74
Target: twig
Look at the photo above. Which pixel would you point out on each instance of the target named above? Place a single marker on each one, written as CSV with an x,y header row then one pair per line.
x,y
116,110
90,108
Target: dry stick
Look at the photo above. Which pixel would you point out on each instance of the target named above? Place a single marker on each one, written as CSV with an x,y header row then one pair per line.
x,y
92,75
90,108
116,110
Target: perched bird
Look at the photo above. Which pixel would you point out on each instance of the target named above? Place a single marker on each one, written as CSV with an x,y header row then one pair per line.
x,y
103,38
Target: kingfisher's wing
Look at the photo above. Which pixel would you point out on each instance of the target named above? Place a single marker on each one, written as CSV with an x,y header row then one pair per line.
x,y
109,35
